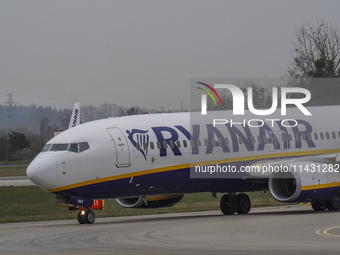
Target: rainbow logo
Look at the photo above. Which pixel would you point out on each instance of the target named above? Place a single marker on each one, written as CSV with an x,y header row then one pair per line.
x,y
209,93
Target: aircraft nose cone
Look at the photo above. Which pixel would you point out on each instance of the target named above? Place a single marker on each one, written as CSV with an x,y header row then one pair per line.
x,y
43,171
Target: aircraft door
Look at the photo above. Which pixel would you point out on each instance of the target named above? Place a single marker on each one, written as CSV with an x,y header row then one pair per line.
x,y
121,145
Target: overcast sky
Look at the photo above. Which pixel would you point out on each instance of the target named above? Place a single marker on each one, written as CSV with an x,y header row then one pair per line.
x,y
143,52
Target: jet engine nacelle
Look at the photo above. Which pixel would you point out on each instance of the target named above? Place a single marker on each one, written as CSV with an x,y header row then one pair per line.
x,y
304,182
150,201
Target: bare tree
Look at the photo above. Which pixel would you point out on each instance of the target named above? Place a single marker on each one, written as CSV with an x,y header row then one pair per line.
x,y
316,52
133,111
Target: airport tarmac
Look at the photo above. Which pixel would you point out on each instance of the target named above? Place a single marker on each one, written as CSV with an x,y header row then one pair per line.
x,y
15,181
295,230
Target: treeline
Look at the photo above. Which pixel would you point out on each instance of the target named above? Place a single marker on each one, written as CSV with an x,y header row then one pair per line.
x,y
36,124
31,126
38,120
32,119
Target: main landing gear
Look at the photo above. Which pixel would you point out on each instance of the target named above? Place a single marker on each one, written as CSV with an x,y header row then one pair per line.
x,y
331,205
231,203
86,216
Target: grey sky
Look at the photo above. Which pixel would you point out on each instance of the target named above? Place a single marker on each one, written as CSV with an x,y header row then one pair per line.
x,y
143,52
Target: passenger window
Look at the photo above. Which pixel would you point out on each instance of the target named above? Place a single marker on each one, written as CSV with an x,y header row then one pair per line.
x,y
271,138
327,135
73,147
309,136
303,136
159,145
259,139
316,136
83,146
145,145
226,141
152,146
333,135
185,144
165,145
206,142
199,142
178,143
253,139
172,145
321,135
138,146
239,140
297,138
283,138
265,140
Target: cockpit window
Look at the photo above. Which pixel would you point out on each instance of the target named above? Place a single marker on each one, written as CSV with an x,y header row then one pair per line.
x,y
59,147
46,147
79,147
83,146
73,147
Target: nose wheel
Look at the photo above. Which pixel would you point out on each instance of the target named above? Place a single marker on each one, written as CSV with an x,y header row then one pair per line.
x,y
86,217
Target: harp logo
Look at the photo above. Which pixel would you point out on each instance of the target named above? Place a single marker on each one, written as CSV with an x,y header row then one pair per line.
x,y
140,139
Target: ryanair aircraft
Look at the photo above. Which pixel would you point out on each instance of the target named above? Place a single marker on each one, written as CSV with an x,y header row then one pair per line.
x,y
148,161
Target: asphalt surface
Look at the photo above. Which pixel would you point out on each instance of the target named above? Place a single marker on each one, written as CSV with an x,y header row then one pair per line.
x,y
295,230
15,181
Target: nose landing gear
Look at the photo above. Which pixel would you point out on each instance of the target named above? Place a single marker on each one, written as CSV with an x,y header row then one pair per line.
x,y
86,216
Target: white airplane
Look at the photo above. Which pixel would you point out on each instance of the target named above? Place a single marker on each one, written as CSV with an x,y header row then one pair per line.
x,y
147,161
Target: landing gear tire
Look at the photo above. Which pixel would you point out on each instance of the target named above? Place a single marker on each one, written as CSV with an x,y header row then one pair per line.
x,y
81,217
334,203
86,217
319,206
89,217
227,205
242,204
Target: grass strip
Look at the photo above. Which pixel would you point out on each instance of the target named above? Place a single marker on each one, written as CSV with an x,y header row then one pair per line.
x,y
24,204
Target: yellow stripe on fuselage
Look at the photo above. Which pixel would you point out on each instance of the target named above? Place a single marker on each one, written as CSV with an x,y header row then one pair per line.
x,y
321,186
183,166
